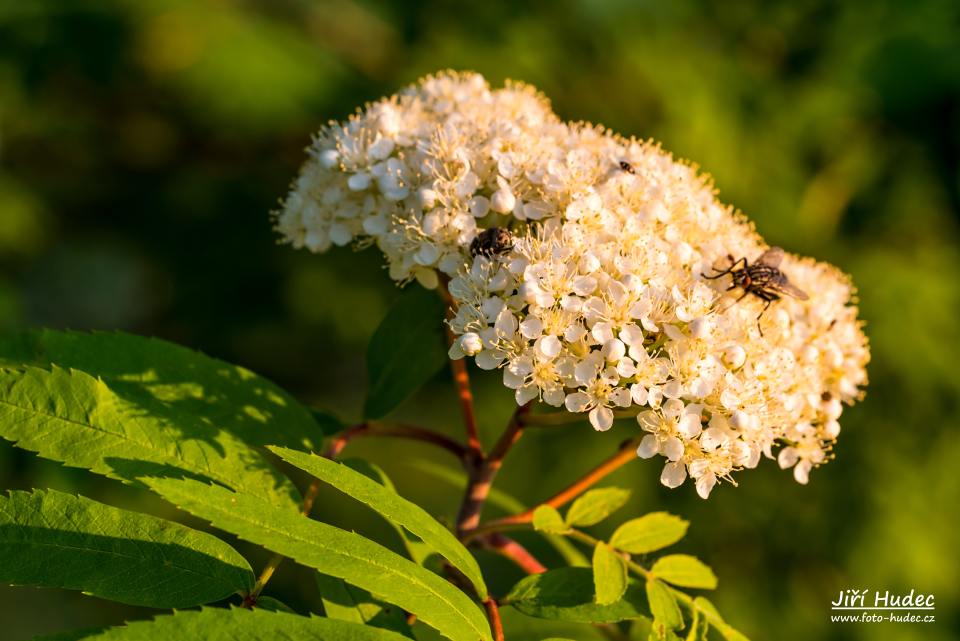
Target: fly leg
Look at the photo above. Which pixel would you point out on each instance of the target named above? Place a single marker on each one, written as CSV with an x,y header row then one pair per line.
x,y
726,271
742,296
769,298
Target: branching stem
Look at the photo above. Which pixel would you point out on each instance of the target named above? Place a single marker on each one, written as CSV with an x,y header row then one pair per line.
x,y
336,446
624,455
481,477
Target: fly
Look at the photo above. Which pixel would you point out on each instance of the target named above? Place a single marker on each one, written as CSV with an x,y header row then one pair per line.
x,y
762,278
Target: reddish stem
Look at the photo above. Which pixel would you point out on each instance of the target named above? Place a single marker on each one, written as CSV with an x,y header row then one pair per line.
x,y
462,380
512,550
624,455
493,613
481,478
336,446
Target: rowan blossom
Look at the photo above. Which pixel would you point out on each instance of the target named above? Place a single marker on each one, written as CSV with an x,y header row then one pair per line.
x,y
600,305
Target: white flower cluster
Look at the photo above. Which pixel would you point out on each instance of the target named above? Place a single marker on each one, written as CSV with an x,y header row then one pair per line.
x,y
600,305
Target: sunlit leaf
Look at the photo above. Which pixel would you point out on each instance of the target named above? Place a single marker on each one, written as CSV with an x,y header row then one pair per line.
x,y
349,603
79,420
663,605
568,594
649,533
416,549
707,609
235,624
609,574
684,570
547,519
52,539
596,505
167,379
392,507
334,552
699,627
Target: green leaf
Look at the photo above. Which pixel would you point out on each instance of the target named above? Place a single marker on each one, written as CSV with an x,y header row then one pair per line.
x,y
699,627
497,497
416,549
685,570
707,609
392,507
235,624
663,605
52,539
568,594
273,605
338,601
596,505
547,519
172,381
405,351
350,603
640,629
333,551
609,574
659,631
649,533
71,417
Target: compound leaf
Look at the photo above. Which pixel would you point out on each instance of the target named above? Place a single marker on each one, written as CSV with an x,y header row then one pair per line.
x,y
568,594
79,420
52,539
334,552
392,507
217,624
166,378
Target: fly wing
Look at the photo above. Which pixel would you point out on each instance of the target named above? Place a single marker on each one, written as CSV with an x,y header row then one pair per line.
x,y
771,257
784,286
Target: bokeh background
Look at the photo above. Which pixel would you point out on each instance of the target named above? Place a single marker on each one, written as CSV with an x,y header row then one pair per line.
x,y
143,143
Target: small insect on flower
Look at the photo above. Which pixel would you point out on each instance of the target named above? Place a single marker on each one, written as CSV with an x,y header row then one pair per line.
x,y
627,167
762,278
491,242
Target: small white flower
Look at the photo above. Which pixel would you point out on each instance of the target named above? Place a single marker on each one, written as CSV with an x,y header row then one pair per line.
x,y
503,201
601,418
674,474
470,343
359,181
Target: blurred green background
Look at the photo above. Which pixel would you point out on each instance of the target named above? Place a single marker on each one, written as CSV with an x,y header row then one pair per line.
x,y
143,142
